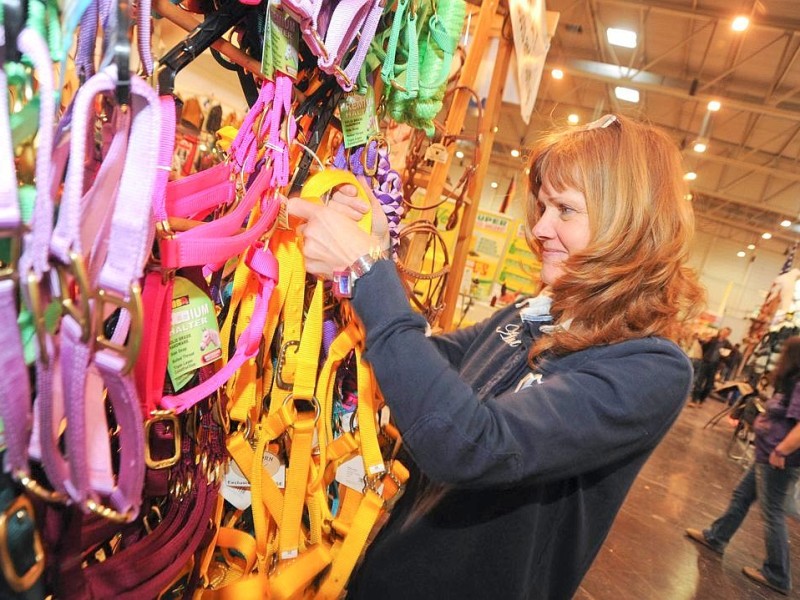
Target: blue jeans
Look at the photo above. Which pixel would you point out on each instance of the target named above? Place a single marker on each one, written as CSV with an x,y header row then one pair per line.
x,y
704,381
771,486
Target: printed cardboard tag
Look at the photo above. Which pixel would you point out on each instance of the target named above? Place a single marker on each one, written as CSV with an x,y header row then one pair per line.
x,y
437,153
194,337
267,68
235,487
281,41
276,468
351,473
359,121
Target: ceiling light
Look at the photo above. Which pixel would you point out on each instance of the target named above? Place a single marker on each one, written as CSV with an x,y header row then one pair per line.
x,y
785,223
573,119
557,74
751,246
621,37
459,154
515,153
527,170
690,176
740,254
740,23
766,236
493,185
688,197
700,147
714,105
627,94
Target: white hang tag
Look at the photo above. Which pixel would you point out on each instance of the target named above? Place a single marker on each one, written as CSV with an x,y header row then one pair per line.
x,y
235,487
437,153
351,473
276,468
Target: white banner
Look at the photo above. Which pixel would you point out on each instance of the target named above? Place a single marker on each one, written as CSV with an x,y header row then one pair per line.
x,y
529,22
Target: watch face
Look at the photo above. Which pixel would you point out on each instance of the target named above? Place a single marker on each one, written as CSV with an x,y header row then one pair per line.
x,y
342,284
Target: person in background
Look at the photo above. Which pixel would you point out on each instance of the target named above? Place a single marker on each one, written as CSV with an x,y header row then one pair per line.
x,y
713,350
771,479
695,354
731,363
528,429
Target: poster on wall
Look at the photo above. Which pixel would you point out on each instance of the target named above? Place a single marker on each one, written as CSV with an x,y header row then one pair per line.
x,y
520,268
488,245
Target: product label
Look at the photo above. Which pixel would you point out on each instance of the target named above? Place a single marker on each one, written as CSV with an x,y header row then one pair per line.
x,y
235,487
194,337
351,473
359,121
281,41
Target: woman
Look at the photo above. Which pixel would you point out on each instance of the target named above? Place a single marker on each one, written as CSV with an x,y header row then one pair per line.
x,y
770,479
531,426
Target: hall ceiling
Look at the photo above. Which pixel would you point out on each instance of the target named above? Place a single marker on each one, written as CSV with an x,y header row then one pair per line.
x,y
748,180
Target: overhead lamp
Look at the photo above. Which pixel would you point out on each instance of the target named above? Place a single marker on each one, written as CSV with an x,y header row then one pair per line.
x,y
751,246
493,185
459,154
626,94
786,223
700,146
515,153
690,176
688,197
766,235
714,105
527,170
557,74
621,37
741,254
740,23
573,119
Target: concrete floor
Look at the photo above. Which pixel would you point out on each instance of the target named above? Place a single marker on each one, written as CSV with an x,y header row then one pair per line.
x,y
686,483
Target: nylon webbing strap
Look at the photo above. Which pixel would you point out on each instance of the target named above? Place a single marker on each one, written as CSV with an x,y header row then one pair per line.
x,y
369,509
367,423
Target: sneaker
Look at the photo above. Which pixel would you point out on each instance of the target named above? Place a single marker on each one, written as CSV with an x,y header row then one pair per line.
x,y
758,577
697,536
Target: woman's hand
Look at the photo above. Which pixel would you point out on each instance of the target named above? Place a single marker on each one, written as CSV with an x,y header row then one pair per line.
x,y
332,240
345,200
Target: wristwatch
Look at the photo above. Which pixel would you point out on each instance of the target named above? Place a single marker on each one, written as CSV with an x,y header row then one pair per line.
x,y
344,281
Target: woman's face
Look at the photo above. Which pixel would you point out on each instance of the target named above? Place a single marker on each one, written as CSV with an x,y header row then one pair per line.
x,y
562,229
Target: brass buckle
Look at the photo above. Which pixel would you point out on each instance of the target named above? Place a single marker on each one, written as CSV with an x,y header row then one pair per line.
x,y
17,582
109,513
170,417
38,490
133,305
380,142
33,296
347,81
76,269
14,235
320,42
279,380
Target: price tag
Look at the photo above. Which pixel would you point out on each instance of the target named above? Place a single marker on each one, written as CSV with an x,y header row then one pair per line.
x,y
359,121
351,473
437,153
194,337
235,487
276,468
